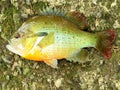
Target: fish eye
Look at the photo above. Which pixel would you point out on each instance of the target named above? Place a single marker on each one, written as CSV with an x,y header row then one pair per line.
x,y
16,35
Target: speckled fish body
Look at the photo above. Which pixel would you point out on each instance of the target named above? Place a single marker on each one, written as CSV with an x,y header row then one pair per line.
x,y
65,38
51,37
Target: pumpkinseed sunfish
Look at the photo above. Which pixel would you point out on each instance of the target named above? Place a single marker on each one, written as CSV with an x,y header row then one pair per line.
x,y
52,36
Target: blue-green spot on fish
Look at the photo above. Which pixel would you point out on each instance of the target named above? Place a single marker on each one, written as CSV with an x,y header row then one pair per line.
x,y
54,35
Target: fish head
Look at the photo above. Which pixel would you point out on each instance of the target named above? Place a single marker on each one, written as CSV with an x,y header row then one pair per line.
x,y
24,40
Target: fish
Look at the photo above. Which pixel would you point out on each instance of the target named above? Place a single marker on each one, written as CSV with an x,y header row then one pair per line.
x,y
54,35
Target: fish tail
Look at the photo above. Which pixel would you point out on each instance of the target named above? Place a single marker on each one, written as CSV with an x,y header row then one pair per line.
x,y
104,43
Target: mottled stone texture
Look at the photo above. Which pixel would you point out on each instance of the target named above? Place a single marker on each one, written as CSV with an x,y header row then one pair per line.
x,y
17,73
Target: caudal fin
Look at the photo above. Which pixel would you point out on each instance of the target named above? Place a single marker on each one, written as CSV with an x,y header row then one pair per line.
x,y
104,44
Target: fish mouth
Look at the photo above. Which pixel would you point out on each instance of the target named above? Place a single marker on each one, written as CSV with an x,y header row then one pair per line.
x,y
15,47
14,50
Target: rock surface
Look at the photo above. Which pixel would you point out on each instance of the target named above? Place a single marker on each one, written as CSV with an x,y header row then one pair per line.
x,y
17,73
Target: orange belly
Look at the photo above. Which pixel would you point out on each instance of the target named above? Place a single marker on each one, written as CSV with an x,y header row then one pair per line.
x,y
47,54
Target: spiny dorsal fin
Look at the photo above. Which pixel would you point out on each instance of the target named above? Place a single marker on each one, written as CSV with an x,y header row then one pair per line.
x,y
53,11
75,17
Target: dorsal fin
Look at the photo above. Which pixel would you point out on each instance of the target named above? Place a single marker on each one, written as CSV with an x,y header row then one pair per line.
x,y
75,17
53,11
79,19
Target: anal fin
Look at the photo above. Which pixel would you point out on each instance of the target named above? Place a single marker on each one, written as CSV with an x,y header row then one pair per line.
x,y
81,56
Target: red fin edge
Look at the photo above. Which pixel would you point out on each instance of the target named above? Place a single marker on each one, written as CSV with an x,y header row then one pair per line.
x,y
105,43
79,18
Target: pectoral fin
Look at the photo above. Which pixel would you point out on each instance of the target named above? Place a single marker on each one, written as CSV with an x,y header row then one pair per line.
x,y
81,56
47,40
53,63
